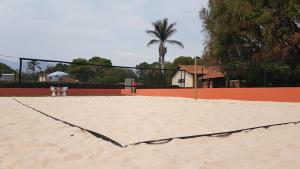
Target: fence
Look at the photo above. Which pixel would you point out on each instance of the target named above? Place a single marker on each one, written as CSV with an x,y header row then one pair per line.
x,y
267,74
84,74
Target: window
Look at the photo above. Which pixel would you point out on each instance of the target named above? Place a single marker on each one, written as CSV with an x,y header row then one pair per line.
x,y
181,80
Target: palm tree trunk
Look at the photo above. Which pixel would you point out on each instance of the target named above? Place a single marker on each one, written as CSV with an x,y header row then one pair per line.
x,y
159,59
163,62
162,53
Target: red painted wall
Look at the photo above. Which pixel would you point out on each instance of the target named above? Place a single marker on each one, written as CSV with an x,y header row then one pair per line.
x,y
289,94
95,92
24,92
47,92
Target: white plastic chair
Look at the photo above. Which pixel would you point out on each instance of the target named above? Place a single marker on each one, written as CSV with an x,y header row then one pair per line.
x,y
58,90
53,90
64,91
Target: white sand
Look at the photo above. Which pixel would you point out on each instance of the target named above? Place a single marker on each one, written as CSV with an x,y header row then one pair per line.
x,y
31,140
133,119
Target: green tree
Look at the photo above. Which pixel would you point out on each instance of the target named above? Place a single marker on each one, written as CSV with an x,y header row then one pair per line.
x,y
151,75
242,32
99,73
80,70
98,70
183,60
207,58
5,69
117,76
58,67
163,32
32,66
100,61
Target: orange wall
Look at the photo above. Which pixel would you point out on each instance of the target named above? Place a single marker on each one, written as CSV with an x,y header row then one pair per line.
x,y
25,92
89,92
47,92
288,94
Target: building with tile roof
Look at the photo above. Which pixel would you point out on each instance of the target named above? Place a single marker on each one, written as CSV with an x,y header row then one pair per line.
x,y
207,76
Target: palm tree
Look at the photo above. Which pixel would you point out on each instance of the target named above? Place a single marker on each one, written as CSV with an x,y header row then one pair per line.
x,y
162,32
32,65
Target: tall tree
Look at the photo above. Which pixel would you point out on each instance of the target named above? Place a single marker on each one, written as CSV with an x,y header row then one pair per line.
x,y
32,65
162,33
246,36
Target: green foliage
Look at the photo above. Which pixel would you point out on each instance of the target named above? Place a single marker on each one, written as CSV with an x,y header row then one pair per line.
x,y
150,76
58,67
79,70
244,32
5,69
278,72
99,73
183,60
100,70
100,61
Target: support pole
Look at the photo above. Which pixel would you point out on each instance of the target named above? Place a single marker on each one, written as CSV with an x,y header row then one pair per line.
x,y
202,78
195,78
20,71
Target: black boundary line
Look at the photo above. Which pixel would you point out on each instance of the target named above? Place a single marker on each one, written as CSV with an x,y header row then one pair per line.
x,y
165,140
219,134
98,135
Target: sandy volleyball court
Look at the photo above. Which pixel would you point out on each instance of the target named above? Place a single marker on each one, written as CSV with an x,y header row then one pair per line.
x,y
30,139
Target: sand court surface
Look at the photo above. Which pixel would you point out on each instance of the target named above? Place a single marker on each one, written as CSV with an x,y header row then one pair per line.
x,y
131,119
30,139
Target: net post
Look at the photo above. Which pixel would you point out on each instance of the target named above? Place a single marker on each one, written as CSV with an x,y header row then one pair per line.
x,y
20,70
195,79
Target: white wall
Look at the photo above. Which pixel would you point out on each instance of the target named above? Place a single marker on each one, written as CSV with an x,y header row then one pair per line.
x,y
189,82
8,77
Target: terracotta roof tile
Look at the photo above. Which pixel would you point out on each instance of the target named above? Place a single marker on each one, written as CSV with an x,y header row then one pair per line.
x,y
208,72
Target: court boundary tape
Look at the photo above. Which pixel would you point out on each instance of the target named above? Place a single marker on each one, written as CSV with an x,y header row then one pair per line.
x,y
98,135
218,134
164,140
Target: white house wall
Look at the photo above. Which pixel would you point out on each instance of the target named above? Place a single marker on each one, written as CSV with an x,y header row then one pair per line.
x,y
189,82
175,79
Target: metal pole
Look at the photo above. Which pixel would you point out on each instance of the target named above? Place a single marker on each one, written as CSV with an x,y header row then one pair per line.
x,y
180,78
202,77
195,78
184,78
264,69
20,71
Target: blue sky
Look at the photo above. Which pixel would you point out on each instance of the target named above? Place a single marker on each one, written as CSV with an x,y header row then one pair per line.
x,y
67,29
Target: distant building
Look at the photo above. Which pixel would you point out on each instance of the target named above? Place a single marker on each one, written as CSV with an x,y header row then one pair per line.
x,y
207,76
8,77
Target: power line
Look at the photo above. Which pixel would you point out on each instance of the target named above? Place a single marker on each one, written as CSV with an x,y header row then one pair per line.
x,y
7,56
89,64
